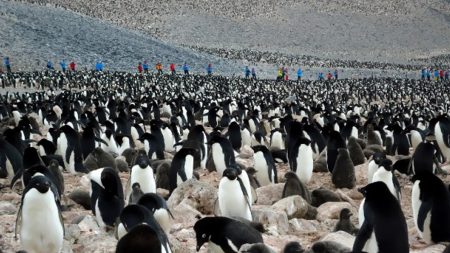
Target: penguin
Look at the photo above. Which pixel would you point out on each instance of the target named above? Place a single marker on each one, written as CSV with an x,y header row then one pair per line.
x,y
163,175
68,146
135,215
423,159
374,164
141,238
106,196
153,146
344,223
343,174
255,248
276,140
293,247
136,193
401,143
99,159
222,153
328,247
373,136
234,135
266,172
143,174
441,128
197,135
384,222
182,167
335,142
168,137
233,197
158,207
431,207
302,162
109,143
53,167
322,195
258,139
294,186
385,174
221,234
39,210
11,160
356,152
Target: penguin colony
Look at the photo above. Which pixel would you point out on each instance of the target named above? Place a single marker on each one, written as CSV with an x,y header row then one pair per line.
x,y
133,140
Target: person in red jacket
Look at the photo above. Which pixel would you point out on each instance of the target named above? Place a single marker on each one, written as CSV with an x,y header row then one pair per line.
x,y
172,69
441,75
72,66
140,68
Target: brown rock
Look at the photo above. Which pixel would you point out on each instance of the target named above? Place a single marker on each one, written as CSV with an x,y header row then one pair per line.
x,y
200,195
267,195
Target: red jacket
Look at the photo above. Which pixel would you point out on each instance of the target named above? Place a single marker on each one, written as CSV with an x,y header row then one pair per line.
x,y
172,67
140,68
72,66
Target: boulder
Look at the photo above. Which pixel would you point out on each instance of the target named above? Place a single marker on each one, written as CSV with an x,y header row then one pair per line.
x,y
275,221
7,208
269,194
295,207
331,210
200,195
341,237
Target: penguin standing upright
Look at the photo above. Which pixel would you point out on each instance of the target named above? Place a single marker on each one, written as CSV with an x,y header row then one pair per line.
x,y
441,129
431,207
182,167
221,234
384,174
233,197
222,153
68,146
374,164
384,222
302,162
106,196
276,140
39,218
294,186
11,160
343,175
335,141
143,174
266,172
234,135
158,207
423,158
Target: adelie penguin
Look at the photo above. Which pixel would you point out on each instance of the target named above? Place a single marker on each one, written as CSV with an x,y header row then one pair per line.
x,y
234,135
11,160
39,219
302,162
68,146
384,228
441,128
431,208
106,196
385,174
344,223
143,174
294,186
222,153
266,171
335,142
182,167
374,164
224,234
158,207
343,175
233,198
133,216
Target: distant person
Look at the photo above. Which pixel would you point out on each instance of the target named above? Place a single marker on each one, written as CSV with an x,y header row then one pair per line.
x,y
172,69
73,66
329,76
253,73
7,64
286,74
209,69
159,68
429,74
186,69
299,74
446,75
63,65
49,65
441,75
321,76
247,72
423,73
336,74
280,74
145,67
140,68
99,66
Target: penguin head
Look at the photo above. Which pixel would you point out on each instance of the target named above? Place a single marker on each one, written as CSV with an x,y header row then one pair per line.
x,y
345,214
373,190
40,183
293,247
142,160
378,157
203,230
133,215
110,180
386,164
151,201
230,173
136,187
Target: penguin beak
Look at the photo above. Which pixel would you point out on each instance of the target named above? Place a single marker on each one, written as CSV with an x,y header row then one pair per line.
x,y
198,247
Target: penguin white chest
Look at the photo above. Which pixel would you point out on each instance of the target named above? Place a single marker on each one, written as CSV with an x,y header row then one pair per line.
x,y
371,169
277,142
386,177
232,200
440,140
416,139
41,229
262,170
246,137
169,140
188,168
162,216
305,163
145,178
218,158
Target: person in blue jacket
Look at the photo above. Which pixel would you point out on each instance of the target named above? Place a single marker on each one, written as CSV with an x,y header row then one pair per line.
x,y
145,67
186,69
209,69
423,73
247,72
7,64
299,74
99,66
336,74
321,76
49,65
63,65
254,73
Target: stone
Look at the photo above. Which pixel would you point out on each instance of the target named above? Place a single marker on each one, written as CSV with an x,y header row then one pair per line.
x,y
200,195
246,152
295,207
331,210
88,224
302,226
275,221
185,214
71,232
7,208
341,237
269,194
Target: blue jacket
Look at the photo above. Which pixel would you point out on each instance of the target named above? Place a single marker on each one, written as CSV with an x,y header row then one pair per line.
x,y
6,61
299,72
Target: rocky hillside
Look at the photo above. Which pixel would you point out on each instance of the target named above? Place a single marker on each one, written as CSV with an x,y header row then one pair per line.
x,y
393,31
31,34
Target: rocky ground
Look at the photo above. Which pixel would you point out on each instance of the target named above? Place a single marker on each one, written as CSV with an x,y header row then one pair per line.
x,y
283,220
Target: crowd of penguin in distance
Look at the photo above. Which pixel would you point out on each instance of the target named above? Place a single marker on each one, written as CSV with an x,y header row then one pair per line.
x,y
164,130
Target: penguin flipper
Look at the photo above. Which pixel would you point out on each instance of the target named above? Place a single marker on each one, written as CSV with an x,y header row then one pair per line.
x,y
364,234
18,221
424,209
